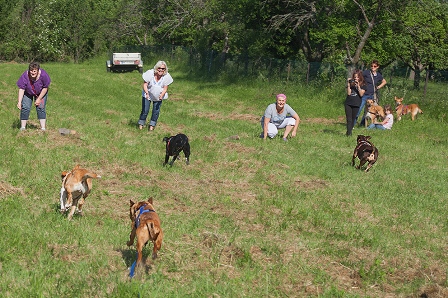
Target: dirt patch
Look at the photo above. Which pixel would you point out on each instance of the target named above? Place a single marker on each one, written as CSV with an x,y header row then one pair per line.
x,y
325,121
7,189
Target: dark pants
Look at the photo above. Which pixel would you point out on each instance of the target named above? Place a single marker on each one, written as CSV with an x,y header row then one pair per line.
x,y
350,115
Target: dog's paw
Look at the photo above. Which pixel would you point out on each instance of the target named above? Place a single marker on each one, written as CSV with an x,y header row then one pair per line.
x,y
129,243
154,256
63,210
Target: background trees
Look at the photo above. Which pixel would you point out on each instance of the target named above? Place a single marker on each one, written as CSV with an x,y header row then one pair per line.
x,y
344,31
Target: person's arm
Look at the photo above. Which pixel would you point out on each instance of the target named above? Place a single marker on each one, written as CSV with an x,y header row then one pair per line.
x,y
294,130
349,90
19,98
383,122
361,91
265,127
383,83
41,95
162,94
145,89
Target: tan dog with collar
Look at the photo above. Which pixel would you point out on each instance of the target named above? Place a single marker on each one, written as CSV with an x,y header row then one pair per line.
x,y
76,186
146,226
374,112
401,109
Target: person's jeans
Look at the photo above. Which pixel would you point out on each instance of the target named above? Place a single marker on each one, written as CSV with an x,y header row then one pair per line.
x,y
361,108
146,104
377,126
27,103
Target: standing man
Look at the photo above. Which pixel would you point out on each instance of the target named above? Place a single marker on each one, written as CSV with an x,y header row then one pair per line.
x,y
374,81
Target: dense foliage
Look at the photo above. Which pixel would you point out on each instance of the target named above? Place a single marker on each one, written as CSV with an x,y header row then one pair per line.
x,y
344,31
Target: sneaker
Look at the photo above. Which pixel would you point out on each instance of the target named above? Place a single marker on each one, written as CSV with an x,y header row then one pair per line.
x,y
22,128
42,129
285,139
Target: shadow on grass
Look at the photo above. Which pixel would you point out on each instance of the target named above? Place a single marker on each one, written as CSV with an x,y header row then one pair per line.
x,y
129,256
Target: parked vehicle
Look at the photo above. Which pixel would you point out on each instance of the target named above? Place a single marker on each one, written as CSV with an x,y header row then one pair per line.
x,y
125,62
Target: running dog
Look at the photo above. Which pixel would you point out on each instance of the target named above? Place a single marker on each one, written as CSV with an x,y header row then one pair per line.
x,y
365,151
76,186
175,145
401,109
374,112
146,226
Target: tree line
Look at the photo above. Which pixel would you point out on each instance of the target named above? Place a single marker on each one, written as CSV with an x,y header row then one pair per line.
x,y
350,32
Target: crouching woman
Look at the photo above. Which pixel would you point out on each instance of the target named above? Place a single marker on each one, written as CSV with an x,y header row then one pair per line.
x,y
280,115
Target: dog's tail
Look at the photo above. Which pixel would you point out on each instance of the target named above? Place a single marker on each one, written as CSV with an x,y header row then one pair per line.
x,y
153,230
90,175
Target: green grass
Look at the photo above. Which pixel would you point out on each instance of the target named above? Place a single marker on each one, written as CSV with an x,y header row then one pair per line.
x,y
247,217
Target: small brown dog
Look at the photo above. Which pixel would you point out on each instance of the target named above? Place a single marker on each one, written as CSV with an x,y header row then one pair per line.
x,y
76,186
401,109
374,112
146,226
365,151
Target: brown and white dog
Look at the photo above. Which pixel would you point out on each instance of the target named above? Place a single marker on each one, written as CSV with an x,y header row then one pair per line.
x,y
374,112
146,226
401,109
365,151
76,186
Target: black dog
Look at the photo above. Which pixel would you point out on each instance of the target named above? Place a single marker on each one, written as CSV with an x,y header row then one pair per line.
x,y
176,144
365,151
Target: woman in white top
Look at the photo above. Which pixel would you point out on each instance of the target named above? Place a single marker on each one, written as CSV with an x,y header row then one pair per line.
x,y
155,87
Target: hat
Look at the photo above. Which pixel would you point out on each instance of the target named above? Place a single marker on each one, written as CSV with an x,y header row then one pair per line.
x,y
281,95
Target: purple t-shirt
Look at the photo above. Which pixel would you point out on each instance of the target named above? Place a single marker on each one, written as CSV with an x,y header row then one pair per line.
x,y
34,88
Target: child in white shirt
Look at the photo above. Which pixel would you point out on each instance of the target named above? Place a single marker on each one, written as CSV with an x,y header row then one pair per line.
x,y
387,122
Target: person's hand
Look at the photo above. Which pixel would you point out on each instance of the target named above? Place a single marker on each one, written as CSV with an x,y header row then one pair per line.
x,y
19,105
37,102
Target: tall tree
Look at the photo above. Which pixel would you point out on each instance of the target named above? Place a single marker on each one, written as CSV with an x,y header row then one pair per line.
x,y
329,30
420,36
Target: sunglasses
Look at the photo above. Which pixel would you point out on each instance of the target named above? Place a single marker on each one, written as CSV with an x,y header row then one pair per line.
x,y
161,68
374,66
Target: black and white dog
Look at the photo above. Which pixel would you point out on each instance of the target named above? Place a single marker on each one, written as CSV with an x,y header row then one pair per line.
x,y
174,145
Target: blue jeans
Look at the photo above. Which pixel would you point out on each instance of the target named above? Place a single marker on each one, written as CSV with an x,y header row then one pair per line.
x,y
27,103
361,107
146,104
377,126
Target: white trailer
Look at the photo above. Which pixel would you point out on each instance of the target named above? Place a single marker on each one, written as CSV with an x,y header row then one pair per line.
x,y
125,62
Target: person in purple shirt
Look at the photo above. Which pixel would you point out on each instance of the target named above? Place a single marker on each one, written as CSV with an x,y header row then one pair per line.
x,y
33,86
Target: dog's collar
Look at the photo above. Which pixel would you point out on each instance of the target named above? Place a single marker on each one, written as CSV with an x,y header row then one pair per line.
x,y
364,143
141,210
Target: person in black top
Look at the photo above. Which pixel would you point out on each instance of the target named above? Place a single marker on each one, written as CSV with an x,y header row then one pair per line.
x,y
356,87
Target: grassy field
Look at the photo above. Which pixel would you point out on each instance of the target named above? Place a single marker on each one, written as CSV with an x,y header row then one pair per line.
x,y
246,218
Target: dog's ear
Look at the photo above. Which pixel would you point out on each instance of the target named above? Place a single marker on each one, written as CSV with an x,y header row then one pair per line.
x,y
368,137
150,200
131,203
165,139
63,174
